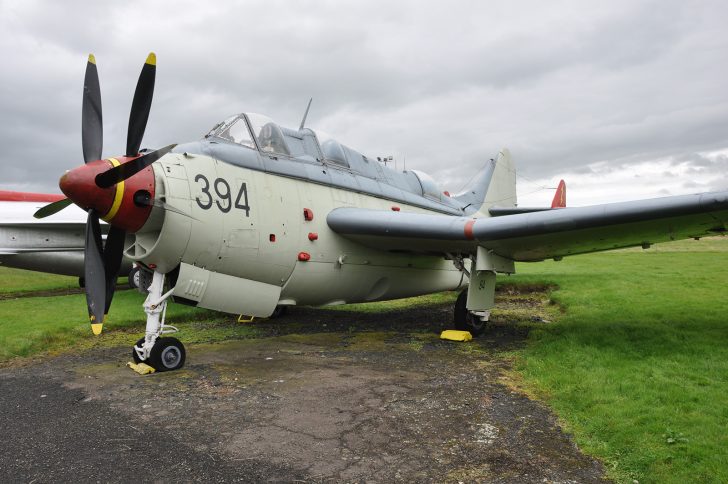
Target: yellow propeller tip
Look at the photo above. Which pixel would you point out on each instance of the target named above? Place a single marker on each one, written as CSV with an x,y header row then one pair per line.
x,y
152,59
96,328
92,59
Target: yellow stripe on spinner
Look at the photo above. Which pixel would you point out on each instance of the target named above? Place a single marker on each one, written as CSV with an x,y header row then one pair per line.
x,y
118,196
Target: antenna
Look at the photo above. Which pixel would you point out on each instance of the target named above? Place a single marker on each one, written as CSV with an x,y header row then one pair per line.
x,y
303,121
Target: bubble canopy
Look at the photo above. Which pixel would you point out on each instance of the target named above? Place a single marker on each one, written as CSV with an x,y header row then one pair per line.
x,y
268,134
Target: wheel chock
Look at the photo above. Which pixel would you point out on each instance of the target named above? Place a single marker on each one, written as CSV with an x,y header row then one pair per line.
x,y
141,368
455,335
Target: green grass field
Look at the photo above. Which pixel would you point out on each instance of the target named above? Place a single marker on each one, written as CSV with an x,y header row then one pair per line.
x,y
636,366
19,281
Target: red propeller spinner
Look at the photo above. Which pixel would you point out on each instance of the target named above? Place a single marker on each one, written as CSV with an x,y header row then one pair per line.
x,y
126,204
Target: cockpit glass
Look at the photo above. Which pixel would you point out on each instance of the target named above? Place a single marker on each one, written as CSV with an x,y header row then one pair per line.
x,y
270,137
234,129
220,126
332,149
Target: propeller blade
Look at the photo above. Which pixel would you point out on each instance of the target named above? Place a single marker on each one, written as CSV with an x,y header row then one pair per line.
x,y
126,170
92,132
141,106
113,253
94,273
52,208
143,199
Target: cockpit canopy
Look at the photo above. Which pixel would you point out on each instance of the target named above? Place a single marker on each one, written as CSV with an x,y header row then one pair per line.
x,y
333,150
268,134
259,132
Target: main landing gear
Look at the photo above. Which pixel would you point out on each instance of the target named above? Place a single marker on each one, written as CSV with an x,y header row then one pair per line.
x,y
473,305
161,353
474,322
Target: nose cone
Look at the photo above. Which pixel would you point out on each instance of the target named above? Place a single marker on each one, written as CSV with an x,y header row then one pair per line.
x,y
80,187
126,205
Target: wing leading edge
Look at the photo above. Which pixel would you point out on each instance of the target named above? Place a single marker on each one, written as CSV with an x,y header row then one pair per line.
x,y
539,235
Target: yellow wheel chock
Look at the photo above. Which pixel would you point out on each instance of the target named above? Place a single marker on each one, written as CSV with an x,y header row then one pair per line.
x,y
454,335
141,368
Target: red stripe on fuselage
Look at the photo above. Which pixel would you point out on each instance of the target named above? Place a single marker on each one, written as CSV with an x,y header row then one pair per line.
x,y
468,229
10,196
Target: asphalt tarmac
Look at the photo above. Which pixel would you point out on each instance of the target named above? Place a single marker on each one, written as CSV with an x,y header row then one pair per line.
x,y
361,399
55,434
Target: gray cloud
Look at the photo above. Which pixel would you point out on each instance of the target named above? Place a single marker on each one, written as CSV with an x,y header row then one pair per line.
x,y
562,84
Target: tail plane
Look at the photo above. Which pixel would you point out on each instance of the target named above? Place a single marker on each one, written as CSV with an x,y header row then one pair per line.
x,y
559,200
494,185
492,192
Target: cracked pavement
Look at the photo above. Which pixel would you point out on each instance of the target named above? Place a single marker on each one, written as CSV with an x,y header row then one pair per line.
x,y
326,406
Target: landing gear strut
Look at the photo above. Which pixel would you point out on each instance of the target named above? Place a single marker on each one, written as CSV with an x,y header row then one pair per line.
x,y
163,354
472,308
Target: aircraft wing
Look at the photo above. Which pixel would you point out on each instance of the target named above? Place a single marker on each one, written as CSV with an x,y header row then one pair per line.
x,y
539,235
24,237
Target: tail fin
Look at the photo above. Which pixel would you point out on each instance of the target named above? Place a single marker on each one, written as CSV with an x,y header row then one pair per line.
x,y
559,200
495,185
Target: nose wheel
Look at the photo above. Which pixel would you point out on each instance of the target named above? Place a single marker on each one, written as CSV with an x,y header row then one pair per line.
x,y
167,354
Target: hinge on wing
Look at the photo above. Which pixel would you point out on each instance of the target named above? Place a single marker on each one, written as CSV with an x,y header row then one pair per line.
x,y
457,261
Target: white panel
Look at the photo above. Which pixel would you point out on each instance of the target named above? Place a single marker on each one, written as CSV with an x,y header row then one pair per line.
x,y
481,291
486,260
228,294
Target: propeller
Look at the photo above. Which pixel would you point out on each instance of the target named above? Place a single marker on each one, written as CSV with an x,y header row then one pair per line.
x,y
144,199
141,105
103,261
92,134
94,272
92,126
127,170
52,208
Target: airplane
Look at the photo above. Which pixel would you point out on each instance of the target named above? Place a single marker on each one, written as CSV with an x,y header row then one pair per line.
x,y
255,216
53,245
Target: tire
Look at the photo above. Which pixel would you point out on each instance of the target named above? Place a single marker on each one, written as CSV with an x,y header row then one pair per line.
x,y
167,354
134,277
464,320
279,312
134,354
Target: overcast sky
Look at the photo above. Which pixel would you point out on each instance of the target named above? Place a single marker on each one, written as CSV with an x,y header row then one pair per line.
x,y
623,99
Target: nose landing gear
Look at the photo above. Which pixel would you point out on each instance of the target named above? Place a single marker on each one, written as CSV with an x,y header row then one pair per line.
x,y
161,353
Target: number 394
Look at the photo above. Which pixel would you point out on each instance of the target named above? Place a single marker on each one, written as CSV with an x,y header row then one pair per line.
x,y
224,199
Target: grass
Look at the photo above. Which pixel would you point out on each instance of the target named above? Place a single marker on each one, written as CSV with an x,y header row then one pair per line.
x,y
19,280
637,366
32,325
51,324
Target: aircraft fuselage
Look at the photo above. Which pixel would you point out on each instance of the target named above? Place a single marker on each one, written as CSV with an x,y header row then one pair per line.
x,y
243,241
